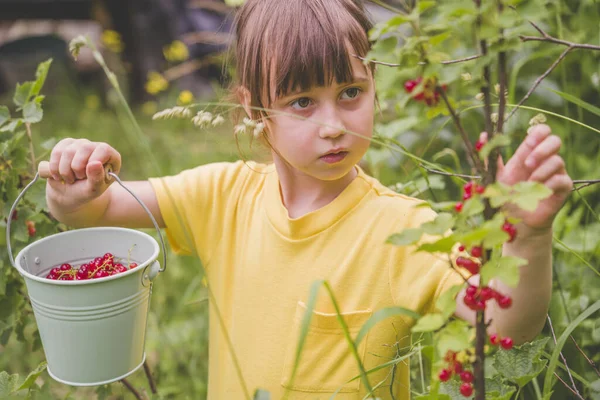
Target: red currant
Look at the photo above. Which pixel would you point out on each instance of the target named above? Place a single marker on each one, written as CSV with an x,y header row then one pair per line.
x,y
504,302
466,376
480,189
466,389
458,207
467,196
468,188
65,267
471,290
487,293
480,305
457,367
476,251
410,85
461,248
445,375
495,339
470,265
132,265
511,230
479,145
30,228
506,343
101,274
470,301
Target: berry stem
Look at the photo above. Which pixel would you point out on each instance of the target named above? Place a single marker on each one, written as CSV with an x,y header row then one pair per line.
x,y
479,365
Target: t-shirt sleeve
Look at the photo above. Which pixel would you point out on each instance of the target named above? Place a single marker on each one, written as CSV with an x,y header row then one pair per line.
x,y
418,279
193,205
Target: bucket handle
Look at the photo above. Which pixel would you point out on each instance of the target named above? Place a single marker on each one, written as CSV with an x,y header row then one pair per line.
x,y
44,172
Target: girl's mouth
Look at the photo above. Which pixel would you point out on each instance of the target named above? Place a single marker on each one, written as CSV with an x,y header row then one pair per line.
x,y
333,158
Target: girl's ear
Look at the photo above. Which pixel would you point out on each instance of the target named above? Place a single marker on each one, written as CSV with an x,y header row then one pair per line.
x,y
244,98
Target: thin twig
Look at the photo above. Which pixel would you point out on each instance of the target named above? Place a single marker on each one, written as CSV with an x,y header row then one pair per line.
x,y
435,171
568,387
150,378
539,80
547,38
475,161
137,394
562,356
420,62
584,183
591,362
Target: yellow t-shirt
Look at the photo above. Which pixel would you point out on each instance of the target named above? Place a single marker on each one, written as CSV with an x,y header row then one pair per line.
x,y
261,264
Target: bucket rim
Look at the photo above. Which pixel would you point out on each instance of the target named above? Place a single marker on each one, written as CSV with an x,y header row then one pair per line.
x,y
44,280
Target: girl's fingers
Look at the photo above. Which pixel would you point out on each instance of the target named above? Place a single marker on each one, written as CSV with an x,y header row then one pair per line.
x,y
64,165
560,184
106,154
549,167
55,156
80,160
547,148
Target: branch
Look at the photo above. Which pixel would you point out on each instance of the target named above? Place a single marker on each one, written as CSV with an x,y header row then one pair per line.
x,y
435,171
469,58
538,81
591,362
568,387
475,161
584,183
547,38
149,376
137,394
31,151
563,358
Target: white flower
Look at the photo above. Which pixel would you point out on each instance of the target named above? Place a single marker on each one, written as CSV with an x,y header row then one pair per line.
x,y
259,129
494,117
466,76
219,120
250,123
175,112
497,88
480,96
240,129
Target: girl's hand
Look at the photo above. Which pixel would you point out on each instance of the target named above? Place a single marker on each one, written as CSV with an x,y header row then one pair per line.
x,y
537,159
77,171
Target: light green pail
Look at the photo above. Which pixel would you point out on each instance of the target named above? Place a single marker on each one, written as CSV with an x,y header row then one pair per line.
x,y
93,331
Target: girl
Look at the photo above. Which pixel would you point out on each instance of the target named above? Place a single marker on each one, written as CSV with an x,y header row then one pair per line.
x,y
265,233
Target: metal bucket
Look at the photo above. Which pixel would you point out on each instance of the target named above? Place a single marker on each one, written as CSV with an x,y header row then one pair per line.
x,y
93,331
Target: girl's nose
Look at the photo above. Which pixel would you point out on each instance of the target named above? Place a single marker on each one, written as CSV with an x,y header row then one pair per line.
x,y
332,126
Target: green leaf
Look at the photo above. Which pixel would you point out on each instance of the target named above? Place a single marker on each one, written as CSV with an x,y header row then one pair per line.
x,y
446,303
505,268
4,115
472,207
384,27
381,315
12,125
426,5
497,141
261,394
406,237
591,108
33,375
529,194
429,323
522,363
455,336
443,245
8,384
40,77
498,194
440,225
22,93
32,112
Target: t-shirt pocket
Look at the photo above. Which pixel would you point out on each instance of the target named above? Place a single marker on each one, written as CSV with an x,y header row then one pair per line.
x,y
326,362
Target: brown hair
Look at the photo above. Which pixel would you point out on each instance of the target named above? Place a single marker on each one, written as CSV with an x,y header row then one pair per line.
x,y
296,44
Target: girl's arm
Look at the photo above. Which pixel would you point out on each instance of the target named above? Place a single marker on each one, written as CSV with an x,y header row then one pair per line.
x,y
77,194
536,160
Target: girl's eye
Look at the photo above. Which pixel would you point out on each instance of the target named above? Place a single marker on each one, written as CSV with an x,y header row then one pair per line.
x,y
352,92
302,102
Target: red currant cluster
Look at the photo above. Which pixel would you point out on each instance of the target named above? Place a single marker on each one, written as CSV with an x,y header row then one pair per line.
x,y
469,190
429,95
476,298
99,267
506,343
30,228
456,367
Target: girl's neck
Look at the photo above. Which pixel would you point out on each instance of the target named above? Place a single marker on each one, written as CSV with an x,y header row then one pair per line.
x,y
302,194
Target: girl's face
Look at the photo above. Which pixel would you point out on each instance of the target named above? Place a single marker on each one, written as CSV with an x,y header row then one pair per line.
x,y
316,144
